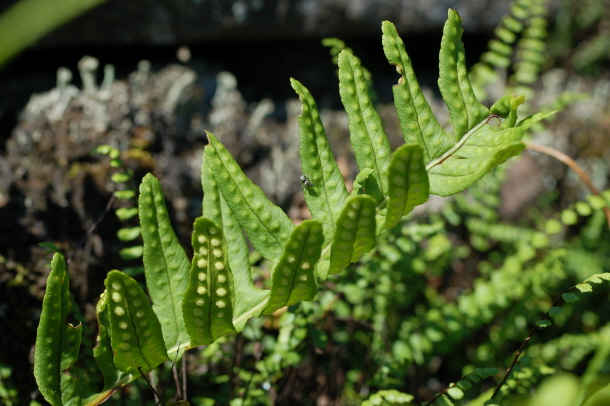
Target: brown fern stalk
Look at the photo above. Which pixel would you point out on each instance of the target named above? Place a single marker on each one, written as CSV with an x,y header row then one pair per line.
x,y
573,165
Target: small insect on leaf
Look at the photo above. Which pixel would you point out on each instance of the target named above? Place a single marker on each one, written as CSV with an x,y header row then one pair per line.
x,y
305,182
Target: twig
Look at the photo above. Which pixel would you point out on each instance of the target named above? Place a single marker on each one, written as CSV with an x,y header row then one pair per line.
x,y
524,344
92,228
573,165
152,387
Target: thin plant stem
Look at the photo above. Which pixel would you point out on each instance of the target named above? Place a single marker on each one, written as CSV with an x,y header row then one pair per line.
x,y
525,343
572,165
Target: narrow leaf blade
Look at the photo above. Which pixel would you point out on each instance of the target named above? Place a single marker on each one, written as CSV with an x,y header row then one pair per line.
x,y
327,195
408,183
103,351
294,276
370,143
165,264
135,331
266,225
57,341
209,298
249,300
355,234
417,121
453,82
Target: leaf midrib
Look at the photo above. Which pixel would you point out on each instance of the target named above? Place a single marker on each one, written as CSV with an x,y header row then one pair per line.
x,y
458,145
244,200
368,137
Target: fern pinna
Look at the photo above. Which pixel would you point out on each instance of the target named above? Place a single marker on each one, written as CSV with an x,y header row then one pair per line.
x,y
195,302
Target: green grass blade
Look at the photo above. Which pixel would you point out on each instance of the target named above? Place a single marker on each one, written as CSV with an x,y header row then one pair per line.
x,y
408,181
294,276
209,299
417,121
135,331
57,341
454,84
327,195
165,264
371,145
249,300
266,225
355,234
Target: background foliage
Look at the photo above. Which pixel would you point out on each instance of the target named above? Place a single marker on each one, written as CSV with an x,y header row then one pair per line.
x,y
457,275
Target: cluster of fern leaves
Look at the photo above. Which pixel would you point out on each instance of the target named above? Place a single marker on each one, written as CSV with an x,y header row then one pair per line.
x,y
200,300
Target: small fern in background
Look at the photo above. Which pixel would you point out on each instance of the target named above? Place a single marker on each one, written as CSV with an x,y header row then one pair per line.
x,y
126,193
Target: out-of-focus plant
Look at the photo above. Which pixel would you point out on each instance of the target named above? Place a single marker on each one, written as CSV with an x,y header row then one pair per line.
x,y
29,20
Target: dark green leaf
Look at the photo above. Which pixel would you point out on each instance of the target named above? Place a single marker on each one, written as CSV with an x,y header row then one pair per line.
x,y
417,120
370,143
555,311
327,195
294,278
355,233
165,264
465,110
57,341
543,323
569,297
103,350
266,225
209,298
408,183
135,332
249,300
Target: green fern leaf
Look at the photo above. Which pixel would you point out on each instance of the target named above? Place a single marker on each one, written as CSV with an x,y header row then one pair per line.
x,y
294,278
417,121
249,300
266,225
444,401
362,183
455,392
370,143
476,147
584,287
599,278
327,195
165,264
135,331
569,297
209,299
103,350
478,151
408,183
355,233
465,110
57,341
